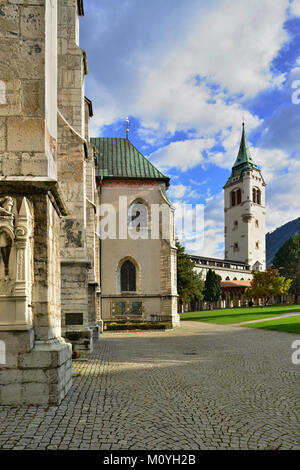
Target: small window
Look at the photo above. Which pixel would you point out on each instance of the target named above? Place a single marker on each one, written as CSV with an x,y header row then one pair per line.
x,y
236,223
233,200
256,223
128,277
257,245
256,196
239,196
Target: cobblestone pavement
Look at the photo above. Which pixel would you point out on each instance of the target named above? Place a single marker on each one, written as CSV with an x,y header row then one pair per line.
x,y
202,386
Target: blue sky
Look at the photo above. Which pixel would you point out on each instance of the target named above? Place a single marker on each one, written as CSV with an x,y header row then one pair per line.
x,y
187,74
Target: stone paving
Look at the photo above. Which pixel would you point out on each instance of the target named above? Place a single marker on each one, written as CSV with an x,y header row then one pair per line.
x,y
201,386
279,317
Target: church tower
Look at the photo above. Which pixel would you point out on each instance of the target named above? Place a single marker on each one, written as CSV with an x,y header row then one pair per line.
x,y
245,211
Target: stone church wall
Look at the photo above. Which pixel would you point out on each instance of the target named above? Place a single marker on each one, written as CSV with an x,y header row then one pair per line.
x,y
38,361
76,172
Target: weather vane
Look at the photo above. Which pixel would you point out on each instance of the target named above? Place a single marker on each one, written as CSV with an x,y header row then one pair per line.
x,y
127,127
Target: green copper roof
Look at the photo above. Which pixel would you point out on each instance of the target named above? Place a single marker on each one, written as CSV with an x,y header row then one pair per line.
x,y
244,157
118,158
243,161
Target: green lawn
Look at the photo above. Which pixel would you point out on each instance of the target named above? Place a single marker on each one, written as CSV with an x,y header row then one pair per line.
x,y
289,325
237,315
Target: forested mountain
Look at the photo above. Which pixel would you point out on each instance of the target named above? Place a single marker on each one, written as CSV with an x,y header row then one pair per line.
x,y
275,239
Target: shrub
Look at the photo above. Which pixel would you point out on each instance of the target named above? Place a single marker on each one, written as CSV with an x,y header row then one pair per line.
x,y
137,326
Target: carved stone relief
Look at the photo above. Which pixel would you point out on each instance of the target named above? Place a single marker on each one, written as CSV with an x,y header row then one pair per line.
x,y
16,259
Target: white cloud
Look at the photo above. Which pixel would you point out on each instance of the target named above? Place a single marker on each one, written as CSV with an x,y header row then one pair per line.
x,y
232,47
273,162
177,191
196,78
295,7
208,236
181,192
183,154
283,198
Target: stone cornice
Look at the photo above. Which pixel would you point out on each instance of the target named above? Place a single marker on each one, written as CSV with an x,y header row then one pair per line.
x,y
26,185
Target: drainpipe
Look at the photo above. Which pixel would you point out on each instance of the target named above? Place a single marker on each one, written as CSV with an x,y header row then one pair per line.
x,y
100,257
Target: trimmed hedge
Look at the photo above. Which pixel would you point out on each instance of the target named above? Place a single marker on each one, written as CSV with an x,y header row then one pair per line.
x,y
137,326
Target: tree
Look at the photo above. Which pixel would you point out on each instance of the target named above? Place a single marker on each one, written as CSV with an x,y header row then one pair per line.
x,y
287,261
212,289
189,283
266,284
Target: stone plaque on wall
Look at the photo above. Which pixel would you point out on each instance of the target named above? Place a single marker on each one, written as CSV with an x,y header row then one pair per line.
x,y
136,308
74,319
127,308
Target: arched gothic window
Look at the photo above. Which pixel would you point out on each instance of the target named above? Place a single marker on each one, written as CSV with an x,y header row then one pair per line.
x,y
138,215
256,195
236,197
128,277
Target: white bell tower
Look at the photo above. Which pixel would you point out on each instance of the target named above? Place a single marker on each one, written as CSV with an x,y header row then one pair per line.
x,y
245,211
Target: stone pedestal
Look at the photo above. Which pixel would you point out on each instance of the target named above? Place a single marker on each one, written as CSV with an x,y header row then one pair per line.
x,y
37,373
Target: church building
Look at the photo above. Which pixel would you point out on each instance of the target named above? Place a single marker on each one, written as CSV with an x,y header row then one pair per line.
x,y
138,259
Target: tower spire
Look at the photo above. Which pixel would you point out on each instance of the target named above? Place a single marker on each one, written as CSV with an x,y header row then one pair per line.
x,y
244,161
244,158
